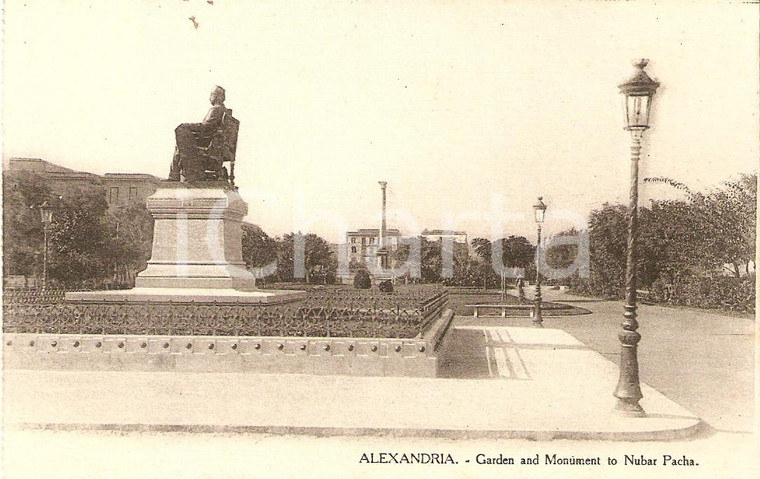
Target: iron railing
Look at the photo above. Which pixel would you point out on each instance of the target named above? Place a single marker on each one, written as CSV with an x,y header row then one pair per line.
x,y
171,319
329,313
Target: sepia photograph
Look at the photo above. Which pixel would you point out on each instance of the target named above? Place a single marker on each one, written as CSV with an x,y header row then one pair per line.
x,y
360,238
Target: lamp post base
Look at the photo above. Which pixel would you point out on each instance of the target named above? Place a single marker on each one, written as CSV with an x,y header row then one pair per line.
x,y
629,408
628,390
538,320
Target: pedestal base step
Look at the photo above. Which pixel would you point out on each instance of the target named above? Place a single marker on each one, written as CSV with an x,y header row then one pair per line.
x,y
186,295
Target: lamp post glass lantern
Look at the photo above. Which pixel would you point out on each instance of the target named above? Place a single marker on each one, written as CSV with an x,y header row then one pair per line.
x,y
46,214
638,92
539,210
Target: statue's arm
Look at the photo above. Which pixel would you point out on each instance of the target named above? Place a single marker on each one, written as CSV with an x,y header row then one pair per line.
x,y
213,120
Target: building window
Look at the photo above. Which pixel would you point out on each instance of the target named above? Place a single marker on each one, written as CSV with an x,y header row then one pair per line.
x,y
353,249
113,194
364,240
132,193
353,240
372,241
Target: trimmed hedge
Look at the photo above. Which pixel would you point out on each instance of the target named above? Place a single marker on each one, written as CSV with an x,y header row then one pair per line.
x,y
386,286
362,279
596,287
721,292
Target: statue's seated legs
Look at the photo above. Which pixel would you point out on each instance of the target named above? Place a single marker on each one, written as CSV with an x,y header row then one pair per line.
x,y
200,154
188,160
193,168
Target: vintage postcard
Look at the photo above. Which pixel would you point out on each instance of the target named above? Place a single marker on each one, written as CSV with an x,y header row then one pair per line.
x,y
379,239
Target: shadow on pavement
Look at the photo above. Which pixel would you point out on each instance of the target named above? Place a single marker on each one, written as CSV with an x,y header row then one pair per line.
x,y
462,355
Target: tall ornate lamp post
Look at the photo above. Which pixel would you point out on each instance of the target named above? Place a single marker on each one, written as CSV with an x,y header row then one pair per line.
x,y
638,92
540,210
46,215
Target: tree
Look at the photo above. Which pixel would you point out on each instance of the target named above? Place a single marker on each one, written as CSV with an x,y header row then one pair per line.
x,y
87,243
607,249
482,249
318,260
733,208
678,240
259,249
130,239
516,252
79,238
563,255
23,193
718,227
431,261
464,273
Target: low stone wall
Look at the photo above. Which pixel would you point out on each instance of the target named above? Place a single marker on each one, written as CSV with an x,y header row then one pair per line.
x,y
438,329
307,355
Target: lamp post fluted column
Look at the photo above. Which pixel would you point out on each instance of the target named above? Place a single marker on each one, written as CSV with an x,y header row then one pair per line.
x,y
539,209
538,320
46,215
628,390
46,231
638,91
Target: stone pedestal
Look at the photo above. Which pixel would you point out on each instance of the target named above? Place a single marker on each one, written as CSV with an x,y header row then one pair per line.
x,y
197,252
197,240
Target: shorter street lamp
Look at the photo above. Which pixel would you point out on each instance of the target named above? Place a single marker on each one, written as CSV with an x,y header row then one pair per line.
x,y
46,215
540,210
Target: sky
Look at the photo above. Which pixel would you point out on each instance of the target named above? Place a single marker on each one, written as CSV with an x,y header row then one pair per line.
x,y
469,110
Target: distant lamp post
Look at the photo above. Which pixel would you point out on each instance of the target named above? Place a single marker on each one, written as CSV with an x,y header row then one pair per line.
x,y
638,92
46,215
540,210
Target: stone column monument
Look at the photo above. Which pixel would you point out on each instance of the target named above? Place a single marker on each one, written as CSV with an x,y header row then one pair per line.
x,y
382,250
383,273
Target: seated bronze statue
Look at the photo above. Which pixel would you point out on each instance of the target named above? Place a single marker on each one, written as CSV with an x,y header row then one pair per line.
x,y
202,148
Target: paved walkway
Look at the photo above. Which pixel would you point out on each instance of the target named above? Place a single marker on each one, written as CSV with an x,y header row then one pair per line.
x,y
540,383
702,360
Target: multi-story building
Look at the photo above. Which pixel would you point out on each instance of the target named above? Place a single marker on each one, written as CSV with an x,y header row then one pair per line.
x,y
121,188
128,188
363,244
60,179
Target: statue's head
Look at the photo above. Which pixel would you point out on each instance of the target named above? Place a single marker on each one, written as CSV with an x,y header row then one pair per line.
x,y
217,95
